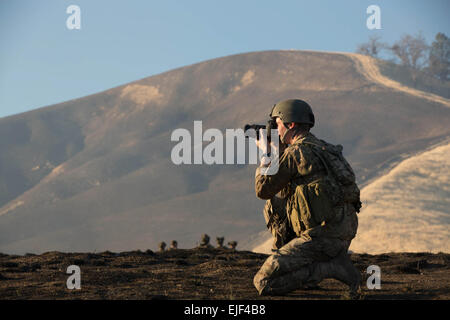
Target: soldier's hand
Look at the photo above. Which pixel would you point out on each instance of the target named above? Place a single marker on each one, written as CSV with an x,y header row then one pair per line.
x,y
261,143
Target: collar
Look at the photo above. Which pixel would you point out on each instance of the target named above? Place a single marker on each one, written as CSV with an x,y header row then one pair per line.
x,y
300,137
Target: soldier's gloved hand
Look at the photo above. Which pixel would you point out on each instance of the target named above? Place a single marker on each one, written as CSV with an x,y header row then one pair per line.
x,y
262,144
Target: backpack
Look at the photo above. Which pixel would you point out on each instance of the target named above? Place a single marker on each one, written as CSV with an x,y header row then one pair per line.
x,y
339,170
320,201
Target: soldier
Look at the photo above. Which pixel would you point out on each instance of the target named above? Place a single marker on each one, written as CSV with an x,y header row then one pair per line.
x,y
233,245
162,246
311,207
204,243
173,245
220,242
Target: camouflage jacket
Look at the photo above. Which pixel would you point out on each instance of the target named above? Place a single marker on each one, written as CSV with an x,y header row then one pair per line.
x,y
299,166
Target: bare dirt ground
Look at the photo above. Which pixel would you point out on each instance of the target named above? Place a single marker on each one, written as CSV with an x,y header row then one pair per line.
x,y
205,274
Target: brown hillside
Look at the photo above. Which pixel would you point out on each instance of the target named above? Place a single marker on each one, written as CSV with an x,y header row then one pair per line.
x,y
95,173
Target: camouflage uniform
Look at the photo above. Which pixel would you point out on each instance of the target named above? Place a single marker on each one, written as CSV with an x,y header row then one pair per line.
x,y
204,243
310,248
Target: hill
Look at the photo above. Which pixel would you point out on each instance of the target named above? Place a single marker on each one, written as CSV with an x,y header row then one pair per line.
x,y
408,208
95,173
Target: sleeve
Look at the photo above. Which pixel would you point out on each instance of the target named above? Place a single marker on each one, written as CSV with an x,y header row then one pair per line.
x,y
267,186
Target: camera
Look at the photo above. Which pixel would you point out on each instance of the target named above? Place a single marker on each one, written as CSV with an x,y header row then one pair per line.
x,y
271,124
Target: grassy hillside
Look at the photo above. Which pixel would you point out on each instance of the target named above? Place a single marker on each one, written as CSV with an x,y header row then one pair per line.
x,y
418,80
408,208
95,173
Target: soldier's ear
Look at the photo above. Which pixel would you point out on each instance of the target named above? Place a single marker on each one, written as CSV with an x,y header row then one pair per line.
x,y
289,125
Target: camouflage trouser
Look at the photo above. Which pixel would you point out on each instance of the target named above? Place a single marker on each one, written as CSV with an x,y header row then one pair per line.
x,y
296,264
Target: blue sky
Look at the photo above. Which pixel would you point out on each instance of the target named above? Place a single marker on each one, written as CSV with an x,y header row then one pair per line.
x,y
43,63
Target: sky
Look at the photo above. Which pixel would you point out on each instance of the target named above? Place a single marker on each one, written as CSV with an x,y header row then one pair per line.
x,y
43,62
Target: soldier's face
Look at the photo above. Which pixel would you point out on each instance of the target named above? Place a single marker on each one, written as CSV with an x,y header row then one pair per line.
x,y
281,128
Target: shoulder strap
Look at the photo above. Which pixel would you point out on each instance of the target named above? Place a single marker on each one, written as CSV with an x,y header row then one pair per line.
x,y
318,155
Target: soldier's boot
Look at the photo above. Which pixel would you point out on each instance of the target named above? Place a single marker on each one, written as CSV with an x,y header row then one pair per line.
x,y
349,274
281,284
340,268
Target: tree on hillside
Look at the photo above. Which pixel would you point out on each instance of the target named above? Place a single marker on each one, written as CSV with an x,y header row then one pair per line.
x,y
412,52
372,47
439,57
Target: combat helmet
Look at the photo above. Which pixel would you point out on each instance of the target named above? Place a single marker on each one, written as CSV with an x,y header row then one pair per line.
x,y
293,110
